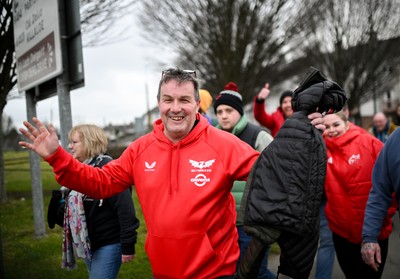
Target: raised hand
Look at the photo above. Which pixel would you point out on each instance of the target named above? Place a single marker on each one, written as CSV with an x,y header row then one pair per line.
x,y
264,92
43,141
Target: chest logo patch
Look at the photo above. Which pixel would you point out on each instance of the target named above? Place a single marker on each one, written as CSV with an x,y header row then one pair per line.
x,y
150,167
200,180
201,164
354,159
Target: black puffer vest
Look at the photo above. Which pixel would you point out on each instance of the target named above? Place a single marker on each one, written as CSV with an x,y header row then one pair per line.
x,y
250,133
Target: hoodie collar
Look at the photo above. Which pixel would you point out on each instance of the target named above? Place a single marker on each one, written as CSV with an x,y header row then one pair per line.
x,y
343,140
194,134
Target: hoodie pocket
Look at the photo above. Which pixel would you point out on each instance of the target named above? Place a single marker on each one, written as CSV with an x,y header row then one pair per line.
x,y
180,256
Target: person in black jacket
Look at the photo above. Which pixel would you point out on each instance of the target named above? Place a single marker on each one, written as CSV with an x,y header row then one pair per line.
x,y
102,232
283,192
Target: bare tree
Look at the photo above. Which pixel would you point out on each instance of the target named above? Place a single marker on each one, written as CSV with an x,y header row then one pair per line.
x,y
98,18
7,75
356,43
244,41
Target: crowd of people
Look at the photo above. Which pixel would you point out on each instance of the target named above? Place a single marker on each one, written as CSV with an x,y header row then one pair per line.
x,y
190,175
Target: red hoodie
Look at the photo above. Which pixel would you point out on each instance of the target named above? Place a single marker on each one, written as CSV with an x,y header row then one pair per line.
x,y
184,192
351,158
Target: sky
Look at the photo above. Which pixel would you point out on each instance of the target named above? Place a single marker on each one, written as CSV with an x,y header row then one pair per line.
x,y
116,77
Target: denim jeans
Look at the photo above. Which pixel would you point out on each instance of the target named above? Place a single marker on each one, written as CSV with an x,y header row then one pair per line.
x,y
326,249
105,262
244,240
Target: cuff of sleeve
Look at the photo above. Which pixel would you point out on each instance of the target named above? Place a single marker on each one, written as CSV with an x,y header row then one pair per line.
x,y
369,239
259,101
127,249
52,159
60,161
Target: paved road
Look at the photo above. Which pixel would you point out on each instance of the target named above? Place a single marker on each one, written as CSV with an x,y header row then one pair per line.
x,y
392,267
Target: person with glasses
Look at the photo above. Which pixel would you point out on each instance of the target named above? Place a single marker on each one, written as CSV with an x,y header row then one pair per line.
x,y
183,172
101,231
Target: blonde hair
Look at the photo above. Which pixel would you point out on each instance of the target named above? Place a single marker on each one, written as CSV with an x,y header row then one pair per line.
x,y
342,116
94,140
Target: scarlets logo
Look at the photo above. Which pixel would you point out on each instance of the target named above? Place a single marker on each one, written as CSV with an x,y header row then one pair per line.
x,y
201,167
202,164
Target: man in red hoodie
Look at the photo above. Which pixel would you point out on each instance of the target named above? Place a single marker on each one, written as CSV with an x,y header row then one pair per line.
x,y
275,120
183,172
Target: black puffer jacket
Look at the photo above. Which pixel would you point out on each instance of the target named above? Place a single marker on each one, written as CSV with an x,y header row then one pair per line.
x,y
285,187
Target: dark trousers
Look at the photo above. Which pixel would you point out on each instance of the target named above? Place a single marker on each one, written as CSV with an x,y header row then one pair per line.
x,y
297,254
350,260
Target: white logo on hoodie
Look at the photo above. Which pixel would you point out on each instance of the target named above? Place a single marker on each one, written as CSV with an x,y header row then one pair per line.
x,y
150,167
354,159
201,166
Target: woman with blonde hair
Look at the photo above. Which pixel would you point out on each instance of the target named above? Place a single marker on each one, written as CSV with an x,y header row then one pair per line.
x,y
102,232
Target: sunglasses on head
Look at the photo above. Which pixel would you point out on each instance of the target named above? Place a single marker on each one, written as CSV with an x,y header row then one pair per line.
x,y
174,71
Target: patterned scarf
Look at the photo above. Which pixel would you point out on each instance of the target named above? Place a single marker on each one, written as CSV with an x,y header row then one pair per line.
x,y
75,233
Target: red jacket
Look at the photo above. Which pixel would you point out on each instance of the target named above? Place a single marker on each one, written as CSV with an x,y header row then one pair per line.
x,y
351,158
184,192
272,121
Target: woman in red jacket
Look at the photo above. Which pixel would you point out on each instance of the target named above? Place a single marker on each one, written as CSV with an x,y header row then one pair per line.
x,y
351,155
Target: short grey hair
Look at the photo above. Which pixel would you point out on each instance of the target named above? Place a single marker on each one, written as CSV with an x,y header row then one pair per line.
x,y
180,76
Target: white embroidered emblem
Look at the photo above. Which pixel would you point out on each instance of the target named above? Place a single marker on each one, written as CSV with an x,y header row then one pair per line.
x,y
202,164
200,180
150,167
330,160
354,159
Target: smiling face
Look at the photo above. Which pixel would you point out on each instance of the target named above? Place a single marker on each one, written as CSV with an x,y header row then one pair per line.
x,y
335,125
287,107
178,108
227,117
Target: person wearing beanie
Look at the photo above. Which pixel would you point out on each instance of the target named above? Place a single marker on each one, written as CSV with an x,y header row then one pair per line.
x,y
229,96
275,120
205,102
228,107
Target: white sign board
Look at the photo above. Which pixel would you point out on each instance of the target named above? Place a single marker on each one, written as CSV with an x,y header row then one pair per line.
x,y
37,41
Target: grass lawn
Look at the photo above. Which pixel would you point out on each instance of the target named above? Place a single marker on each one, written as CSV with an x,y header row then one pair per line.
x,y
25,255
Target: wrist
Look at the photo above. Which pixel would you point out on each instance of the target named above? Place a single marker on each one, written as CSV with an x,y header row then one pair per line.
x,y
259,100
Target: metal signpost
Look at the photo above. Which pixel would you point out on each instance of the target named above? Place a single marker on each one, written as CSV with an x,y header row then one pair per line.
x,y
49,62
